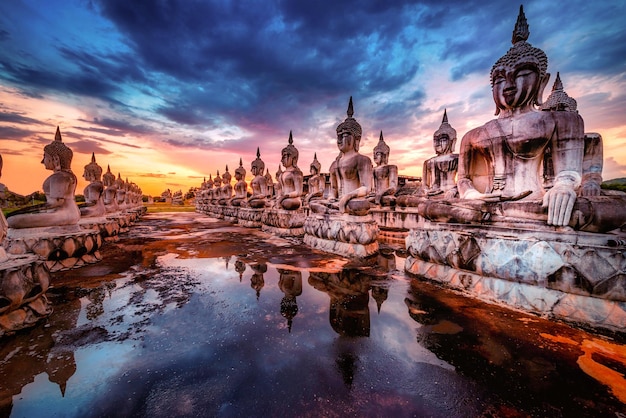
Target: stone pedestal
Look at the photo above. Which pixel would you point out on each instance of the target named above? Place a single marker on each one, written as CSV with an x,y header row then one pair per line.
x,y
395,223
109,228
575,276
284,223
24,280
231,213
250,218
62,247
346,235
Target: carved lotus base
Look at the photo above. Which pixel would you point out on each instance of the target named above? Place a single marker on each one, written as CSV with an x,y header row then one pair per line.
x,y
346,235
231,213
109,228
123,220
62,248
284,223
24,280
575,276
250,218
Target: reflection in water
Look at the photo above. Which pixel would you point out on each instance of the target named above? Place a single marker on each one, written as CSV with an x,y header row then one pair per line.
x,y
240,267
257,281
290,283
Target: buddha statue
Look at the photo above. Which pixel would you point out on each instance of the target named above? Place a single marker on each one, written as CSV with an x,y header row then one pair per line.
x,y
259,188
60,208
439,172
226,192
350,174
217,189
385,175
504,159
94,191
316,182
241,187
270,184
277,185
120,193
291,180
110,191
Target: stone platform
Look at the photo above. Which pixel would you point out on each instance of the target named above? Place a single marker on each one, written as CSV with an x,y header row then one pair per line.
x,y
284,223
346,235
250,218
568,275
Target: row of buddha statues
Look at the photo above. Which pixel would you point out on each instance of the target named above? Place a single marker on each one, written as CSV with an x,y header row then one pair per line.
x,y
533,162
59,234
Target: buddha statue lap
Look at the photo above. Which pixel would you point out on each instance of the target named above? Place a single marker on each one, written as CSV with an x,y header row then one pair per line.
x,y
385,175
291,180
241,187
94,191
60,208
315,183
350,174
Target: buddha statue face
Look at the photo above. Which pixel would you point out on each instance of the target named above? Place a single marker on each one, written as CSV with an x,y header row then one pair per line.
x,y
345,141
515,86
288,159
442,144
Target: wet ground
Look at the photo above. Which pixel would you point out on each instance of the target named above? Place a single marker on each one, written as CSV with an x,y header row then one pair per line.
x,y
192,316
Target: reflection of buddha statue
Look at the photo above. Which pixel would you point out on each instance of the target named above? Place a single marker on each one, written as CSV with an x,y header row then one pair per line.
x,y
227,189
291,180
60,207
259,188
240,267
257,281
290,283
350,174
439,172
385,175
94,199
316,182
110,191
241,187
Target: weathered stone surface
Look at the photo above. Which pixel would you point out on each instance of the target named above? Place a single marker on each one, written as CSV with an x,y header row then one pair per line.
x,y
347,235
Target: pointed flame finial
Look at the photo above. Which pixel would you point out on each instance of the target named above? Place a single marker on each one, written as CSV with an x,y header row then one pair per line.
x,y
521,32
93,157
290,138
227,168
558,85
350,108
57,135
445,116
258,152
380,139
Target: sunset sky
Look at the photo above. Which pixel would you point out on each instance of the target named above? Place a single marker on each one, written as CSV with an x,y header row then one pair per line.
x,y
170,92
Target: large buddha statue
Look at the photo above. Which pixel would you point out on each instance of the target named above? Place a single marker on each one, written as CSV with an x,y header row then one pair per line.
x,y
110,191
241,187
316,182
259,187
504,159
291,180
439,172
226,192
350,174
385,175
94,191
60,207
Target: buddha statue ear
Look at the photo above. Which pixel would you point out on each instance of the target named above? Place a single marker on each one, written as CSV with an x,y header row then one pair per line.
x,y
542,85
56,160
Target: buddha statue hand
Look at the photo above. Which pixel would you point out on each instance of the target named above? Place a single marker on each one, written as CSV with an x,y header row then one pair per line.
x,y
590,189
473,194
560,199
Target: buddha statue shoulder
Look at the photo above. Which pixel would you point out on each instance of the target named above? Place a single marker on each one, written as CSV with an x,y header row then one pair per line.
x,y
291,179
60,208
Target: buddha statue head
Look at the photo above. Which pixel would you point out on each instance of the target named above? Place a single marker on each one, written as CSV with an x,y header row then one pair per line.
x,y
444,138
381,151
279,172
559,99
258,166
519,77
289,154
56,155
349,131
209,183
316,166
108,178
93,172
268,178
217,181
240,172
226,177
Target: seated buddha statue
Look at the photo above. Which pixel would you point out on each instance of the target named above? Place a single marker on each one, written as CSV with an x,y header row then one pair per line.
x,y
291,180
94,191
120,192
277,185
316,182
60,208
110,191
226,192
385,175
504,159
259,187
241,187
351,173
217,189
270,184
